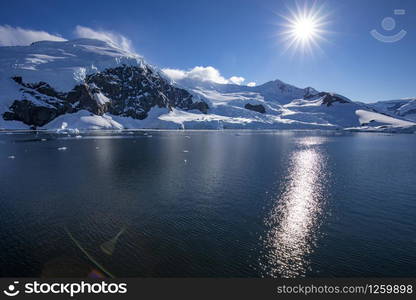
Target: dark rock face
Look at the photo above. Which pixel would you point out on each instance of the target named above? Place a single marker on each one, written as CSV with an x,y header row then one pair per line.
x,y
31,114
201,106
39,105
84,97
134,91
39,87
127,91
258,108
328,98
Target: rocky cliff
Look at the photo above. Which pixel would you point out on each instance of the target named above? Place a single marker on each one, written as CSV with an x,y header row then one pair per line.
x,y
128,91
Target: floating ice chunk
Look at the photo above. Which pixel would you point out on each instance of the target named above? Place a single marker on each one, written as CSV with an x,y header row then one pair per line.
x,y
185,151
43,140
62,148
187,136
65,130
97,148
78,136
12,157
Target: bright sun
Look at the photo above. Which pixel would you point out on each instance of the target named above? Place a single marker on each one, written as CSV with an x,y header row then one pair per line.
x,y
304,29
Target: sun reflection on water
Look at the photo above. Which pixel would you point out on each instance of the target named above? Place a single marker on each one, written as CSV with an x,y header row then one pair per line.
x,y
295,218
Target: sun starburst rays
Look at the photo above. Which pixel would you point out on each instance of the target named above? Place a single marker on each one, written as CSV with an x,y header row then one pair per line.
x,y
304,29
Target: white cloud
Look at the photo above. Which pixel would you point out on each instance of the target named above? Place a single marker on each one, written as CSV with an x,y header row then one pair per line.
x,y
16,36
113,38
175,74
236,80
252,83
203,74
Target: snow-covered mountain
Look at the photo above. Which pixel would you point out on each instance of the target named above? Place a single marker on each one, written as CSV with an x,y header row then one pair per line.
x,y
277,105
50,81
90,84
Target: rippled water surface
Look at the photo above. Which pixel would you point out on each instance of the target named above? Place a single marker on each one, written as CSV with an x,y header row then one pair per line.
x,y
208,203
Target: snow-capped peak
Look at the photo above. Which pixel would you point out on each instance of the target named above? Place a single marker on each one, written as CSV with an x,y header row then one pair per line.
x,y
62,64
282,92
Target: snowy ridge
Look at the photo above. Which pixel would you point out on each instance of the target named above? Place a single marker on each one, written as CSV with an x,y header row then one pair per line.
x,y
402,108
62,64
88,84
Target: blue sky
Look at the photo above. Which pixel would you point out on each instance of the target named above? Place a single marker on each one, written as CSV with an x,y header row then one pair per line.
x,y
241,38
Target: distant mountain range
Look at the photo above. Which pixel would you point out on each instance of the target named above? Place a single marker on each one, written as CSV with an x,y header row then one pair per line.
x,y
89,84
